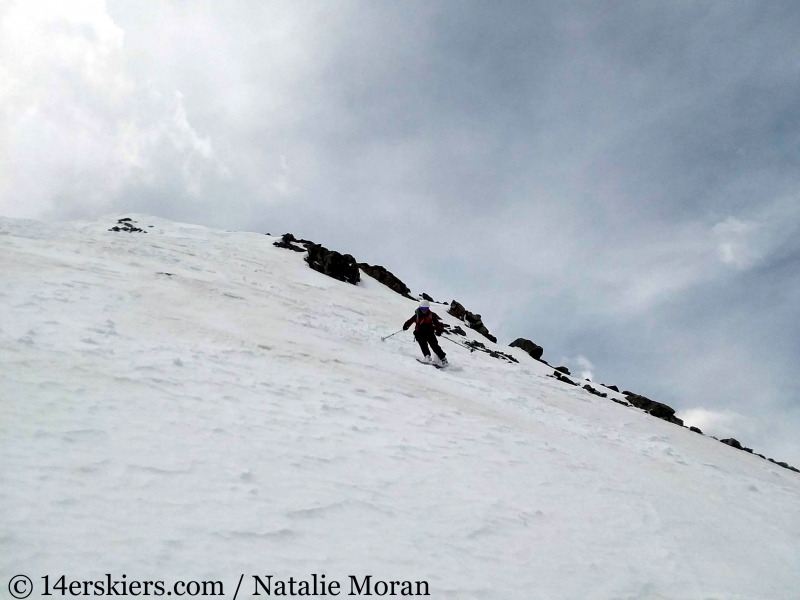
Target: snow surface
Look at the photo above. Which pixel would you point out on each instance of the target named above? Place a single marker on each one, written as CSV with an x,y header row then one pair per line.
x,y
242,416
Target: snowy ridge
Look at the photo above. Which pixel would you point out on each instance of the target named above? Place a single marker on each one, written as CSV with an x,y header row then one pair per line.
x,y
194,403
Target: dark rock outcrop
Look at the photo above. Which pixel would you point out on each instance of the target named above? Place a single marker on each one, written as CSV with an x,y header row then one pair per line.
x,y
695,429
454,330
564,370
560,377
328,262
535,350
126,224
387,278
471,319
594,391
334,264
474,345
610,387
733,443
657,409
289,242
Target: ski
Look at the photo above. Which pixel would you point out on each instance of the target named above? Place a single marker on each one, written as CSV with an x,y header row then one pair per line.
x,y
431,364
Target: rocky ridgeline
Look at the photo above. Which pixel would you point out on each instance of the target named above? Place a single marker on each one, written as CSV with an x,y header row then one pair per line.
x,y
387,278
328,262
341,266
334,264
289,242
472,320
657,409
653,408
345,268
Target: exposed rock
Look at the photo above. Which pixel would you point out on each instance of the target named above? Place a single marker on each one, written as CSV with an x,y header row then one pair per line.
x,y
564,370
472,319
428,298
620,402
289,242
454,330
592,390
657,409
557,374
387,278
695,429
474,345
126,224
457,310
732,442
528,346
610,387
334,264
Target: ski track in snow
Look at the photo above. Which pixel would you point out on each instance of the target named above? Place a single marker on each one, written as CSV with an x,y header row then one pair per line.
x,y
195,403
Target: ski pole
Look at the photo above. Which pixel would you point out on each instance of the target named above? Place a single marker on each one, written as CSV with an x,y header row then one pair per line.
x,y
383,339
462,345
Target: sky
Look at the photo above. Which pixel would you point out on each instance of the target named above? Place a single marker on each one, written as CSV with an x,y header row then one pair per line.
x,y
616,181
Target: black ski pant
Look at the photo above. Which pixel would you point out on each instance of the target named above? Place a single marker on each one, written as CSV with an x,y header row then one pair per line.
x,y
427,337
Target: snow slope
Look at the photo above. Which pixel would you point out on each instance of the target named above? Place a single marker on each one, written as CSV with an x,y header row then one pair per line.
x,y
242,416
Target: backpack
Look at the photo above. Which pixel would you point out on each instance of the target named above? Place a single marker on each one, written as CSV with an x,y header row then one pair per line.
x,y
424,318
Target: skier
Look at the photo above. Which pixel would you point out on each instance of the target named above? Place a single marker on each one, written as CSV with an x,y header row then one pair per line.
x,y
428,326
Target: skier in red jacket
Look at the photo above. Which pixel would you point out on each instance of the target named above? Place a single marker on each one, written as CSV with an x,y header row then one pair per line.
x,y
428,326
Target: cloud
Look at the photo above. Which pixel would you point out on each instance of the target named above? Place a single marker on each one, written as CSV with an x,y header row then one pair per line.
x,y
581,364
736,239
721,424
75,127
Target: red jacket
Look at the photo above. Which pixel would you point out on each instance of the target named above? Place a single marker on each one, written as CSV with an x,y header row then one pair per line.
x,y
425,320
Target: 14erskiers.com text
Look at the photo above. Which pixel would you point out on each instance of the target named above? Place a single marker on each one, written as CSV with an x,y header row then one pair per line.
x,y
267,585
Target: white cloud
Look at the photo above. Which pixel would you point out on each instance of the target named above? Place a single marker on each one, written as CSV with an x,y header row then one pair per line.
x,y
739,243
75,126
580,364
721,424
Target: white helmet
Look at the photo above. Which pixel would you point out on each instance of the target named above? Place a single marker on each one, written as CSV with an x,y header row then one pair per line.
x,y
424,304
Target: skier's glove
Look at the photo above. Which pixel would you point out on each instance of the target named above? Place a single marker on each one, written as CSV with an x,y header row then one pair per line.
x,y
405,327
438,333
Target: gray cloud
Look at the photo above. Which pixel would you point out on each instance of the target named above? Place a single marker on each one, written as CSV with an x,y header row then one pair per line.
x,y
614,180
